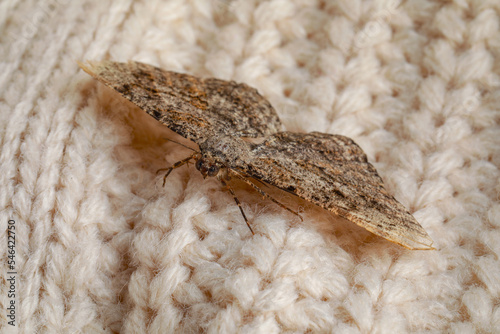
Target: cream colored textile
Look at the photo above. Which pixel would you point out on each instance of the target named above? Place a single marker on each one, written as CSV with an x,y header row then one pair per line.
x,y
101,246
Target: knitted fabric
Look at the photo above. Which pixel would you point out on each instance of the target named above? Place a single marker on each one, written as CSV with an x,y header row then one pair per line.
x,y
102,247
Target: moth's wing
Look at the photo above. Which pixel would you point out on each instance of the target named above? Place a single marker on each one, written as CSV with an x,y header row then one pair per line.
x,y
333,172
194,108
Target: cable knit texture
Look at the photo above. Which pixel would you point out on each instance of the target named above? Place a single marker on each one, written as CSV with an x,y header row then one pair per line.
x,y
102,247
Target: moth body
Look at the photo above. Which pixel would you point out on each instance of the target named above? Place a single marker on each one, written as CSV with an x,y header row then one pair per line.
x,y
239,134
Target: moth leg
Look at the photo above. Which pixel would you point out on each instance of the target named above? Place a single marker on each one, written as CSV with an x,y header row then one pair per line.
x,y
263,193
237,202
174,166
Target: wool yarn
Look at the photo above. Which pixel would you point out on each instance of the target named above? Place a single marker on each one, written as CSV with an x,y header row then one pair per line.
x,y
102,247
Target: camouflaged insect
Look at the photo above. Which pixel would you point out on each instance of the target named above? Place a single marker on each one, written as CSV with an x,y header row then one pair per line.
x,y
328,170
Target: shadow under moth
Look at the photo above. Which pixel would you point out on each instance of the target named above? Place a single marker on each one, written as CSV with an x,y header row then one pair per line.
x,y
220,116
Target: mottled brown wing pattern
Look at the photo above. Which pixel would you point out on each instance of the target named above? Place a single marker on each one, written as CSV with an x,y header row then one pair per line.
x,y
328,170
333,172
192,107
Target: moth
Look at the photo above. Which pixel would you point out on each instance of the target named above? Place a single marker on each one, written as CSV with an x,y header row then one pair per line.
x,y
222,117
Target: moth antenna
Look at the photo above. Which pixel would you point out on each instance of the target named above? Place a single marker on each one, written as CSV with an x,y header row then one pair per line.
x,y
263,193
173,141
237,203
174,166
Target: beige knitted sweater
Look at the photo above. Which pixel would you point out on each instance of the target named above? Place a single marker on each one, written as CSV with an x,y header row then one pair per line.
x,y
101,246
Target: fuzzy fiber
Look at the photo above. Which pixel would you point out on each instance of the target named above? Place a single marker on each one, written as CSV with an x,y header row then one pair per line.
x,y
102,247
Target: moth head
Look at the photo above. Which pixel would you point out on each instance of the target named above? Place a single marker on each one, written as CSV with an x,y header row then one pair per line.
x,y
208,166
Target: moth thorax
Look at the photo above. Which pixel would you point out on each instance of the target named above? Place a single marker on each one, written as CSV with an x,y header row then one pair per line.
x,y
223,147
